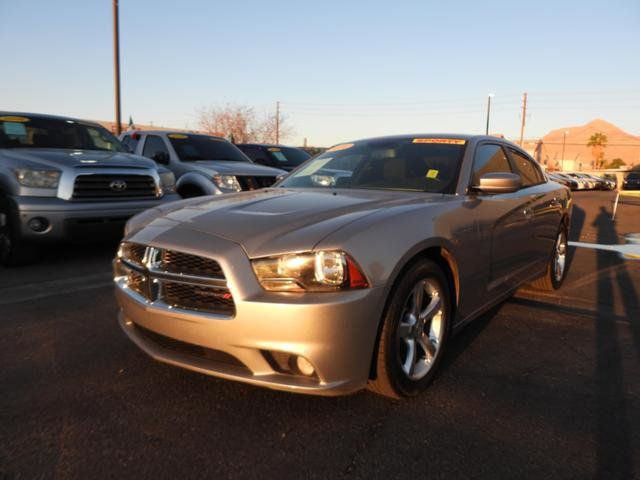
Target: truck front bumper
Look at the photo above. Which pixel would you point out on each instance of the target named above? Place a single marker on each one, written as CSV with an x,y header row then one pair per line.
x,y
56,219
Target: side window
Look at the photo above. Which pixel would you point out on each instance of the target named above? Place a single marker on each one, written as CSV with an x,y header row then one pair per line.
x,y
489,158
530,173
130,142
153,145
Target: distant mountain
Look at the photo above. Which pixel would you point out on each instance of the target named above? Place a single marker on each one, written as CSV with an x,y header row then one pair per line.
x,y
620,145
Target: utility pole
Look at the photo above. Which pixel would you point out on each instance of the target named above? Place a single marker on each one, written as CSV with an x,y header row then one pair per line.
x,y
488,111
116,65
277,123
524,116
564,140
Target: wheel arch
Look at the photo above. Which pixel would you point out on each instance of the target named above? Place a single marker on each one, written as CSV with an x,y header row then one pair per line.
x,y
439,252
193,180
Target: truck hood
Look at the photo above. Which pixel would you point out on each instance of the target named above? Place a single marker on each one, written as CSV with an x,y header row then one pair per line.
x,y
227,167
271,221
66,158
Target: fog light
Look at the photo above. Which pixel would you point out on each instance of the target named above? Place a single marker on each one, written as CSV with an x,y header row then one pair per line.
x,y
38,224
305,366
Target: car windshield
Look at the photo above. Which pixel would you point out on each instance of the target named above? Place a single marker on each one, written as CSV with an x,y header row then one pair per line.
x,y
408,164
203,147
287,156
18,131
633,176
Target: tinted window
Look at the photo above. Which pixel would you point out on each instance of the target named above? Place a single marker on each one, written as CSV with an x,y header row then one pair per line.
x,y
287,156
489,158
530,174
152,145
17,131
254,153
130,142
202,147
410,164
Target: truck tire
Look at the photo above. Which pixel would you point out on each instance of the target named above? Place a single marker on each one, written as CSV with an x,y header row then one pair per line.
x,y
13,251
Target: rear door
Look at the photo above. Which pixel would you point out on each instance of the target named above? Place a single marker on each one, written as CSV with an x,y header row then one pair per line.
x,y
544,204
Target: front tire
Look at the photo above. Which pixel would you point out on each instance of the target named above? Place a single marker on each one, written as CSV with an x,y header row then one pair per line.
x,y
13,252
415,330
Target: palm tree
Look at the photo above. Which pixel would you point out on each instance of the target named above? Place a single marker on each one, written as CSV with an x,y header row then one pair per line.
x,y
598,142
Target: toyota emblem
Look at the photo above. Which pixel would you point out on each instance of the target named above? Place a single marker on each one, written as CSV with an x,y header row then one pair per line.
x,y
118,185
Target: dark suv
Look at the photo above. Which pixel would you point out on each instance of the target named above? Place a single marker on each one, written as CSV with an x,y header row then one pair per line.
x,y
278,156
632,182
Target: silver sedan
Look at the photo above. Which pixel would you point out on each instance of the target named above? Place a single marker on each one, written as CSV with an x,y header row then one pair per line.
x,y
354,271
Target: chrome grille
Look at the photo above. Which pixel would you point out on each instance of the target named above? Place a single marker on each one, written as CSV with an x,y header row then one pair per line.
x,y
174,279
253,183
111,186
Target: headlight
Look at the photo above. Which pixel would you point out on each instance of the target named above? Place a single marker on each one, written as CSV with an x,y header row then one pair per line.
x,y
168,182
37,178
322,271
323,180
227,182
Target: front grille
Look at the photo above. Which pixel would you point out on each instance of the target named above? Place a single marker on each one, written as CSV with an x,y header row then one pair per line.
x,y
107,186
253,183
187,264
175,279
196,297
190,349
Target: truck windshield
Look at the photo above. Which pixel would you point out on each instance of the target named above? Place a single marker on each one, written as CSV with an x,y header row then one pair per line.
x,y
409,164
17,131
287,156
203,147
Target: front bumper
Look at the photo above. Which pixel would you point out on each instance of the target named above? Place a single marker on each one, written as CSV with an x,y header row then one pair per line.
x,y
67,219
335,332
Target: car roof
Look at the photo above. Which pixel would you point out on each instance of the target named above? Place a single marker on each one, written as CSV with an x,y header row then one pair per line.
x,y
46,115
267,145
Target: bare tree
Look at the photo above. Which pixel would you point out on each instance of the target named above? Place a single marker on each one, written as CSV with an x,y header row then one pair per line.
x,y
239,123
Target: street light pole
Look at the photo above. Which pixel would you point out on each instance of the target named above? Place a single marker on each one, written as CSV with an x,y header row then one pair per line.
x,y
488,112
116,65
564,139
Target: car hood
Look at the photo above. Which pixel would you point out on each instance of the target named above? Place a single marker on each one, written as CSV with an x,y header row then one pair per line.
x,y
227,167
58,157
272,221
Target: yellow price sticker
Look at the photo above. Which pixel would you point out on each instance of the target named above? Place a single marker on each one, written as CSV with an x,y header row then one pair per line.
x,y
177,135
342,146
274,149
446,141
432,173
12,118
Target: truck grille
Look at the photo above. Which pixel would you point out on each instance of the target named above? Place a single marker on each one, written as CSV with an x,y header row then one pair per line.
x,y
253,183
107,186
174,279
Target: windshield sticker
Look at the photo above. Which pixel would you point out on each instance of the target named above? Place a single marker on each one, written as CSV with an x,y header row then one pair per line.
x,y
313,167
14,128
432,173
342,146
12,118
447,141
274,149
177,135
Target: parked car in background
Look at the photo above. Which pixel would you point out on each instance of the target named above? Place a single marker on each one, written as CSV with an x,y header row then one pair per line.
x,y
62,178
600,182
279,156
583,183
202,164
327,286
631,181
564,180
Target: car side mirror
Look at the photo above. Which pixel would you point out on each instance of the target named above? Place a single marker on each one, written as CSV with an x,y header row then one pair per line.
x,y
161,157
499,182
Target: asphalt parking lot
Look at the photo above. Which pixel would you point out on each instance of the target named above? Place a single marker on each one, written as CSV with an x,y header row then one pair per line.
x,y
544,386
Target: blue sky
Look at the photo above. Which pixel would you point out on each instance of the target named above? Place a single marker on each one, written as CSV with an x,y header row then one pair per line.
x,y
342,70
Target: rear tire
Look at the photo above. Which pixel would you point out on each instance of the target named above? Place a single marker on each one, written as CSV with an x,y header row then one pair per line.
x,y
415,330
556,267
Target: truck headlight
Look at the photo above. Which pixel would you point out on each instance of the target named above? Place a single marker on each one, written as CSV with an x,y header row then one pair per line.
x,y
168,182
227,182
322,271
37,178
